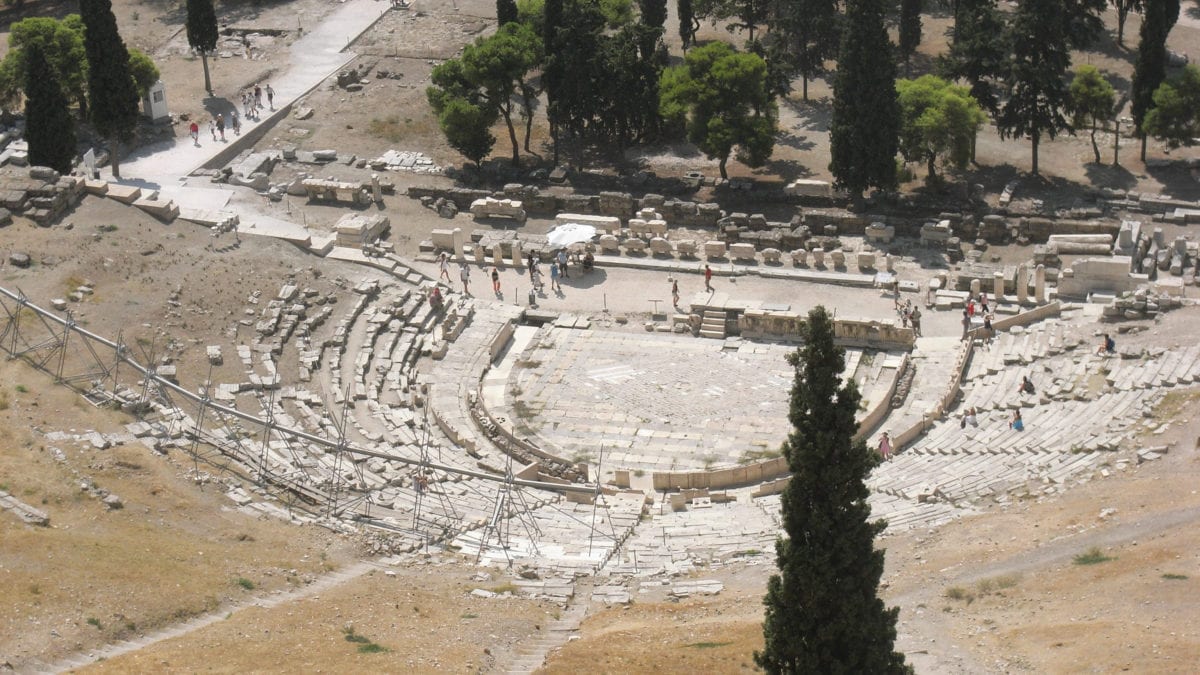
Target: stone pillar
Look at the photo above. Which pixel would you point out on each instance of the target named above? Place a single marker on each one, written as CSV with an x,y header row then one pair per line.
x,y
1022,284
516,253
458,244
1159,237
497,253
998,286
818,257
479,255
889,262
376,191
975,288
1039,284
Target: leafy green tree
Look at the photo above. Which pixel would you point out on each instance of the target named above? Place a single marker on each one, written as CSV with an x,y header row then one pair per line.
x,y
492,72
1037,94
617,13
111,89
688,24
143,70
506,11
910,30
744,15
1092,101
1150,69
1124,8
721,98
940,121
530,13
202,33
978,52
468,128
61,43
865,129
809,28
49,129
823,612
1175,117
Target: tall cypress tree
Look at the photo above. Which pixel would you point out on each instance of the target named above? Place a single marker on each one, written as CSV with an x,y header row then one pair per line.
x,y
110,85
506,11
1039,40
1158,17
202,33
49,128
910,30
978,52
654,12
865,130
823,611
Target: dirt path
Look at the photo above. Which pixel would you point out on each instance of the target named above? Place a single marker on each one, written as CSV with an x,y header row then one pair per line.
x,y
323,583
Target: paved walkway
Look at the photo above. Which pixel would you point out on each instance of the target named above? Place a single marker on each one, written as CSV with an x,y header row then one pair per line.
x,y
314,57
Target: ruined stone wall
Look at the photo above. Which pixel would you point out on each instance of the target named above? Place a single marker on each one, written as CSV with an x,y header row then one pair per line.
x,y
772,325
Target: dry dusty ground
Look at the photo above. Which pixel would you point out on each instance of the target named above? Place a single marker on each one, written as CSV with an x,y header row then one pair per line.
x,y
1023,605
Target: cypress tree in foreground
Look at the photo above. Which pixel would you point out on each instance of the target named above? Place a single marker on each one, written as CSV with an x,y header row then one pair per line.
x,y
823,614
113,94
49,128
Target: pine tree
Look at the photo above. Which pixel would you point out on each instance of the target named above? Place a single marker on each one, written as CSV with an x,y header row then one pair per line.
x,y
506,11
1158,17
49,128
823,613
202,33
865,129
1036,79
113,93
910,30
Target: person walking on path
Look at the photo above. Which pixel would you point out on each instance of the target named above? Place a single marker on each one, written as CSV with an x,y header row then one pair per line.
x,y
983,303
535,275
194,130
464,273
915,318
562,263
496,281
675,293
444,263
708,278
221,126
257,96
212,129
270,96
236,122
554,283
885,447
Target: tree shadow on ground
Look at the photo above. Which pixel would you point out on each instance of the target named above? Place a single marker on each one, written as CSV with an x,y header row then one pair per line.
x,y
918,64
52,8
1106,175
796,141
786,170
1177,180
813,114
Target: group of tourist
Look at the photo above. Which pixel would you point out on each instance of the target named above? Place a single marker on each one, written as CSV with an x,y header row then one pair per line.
x,y
252,101
909,314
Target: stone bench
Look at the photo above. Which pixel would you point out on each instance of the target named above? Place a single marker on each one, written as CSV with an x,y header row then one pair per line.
x,y
609,243
489,207
686,249
742,252
714,249
800,257
660,246
634,245
771,255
